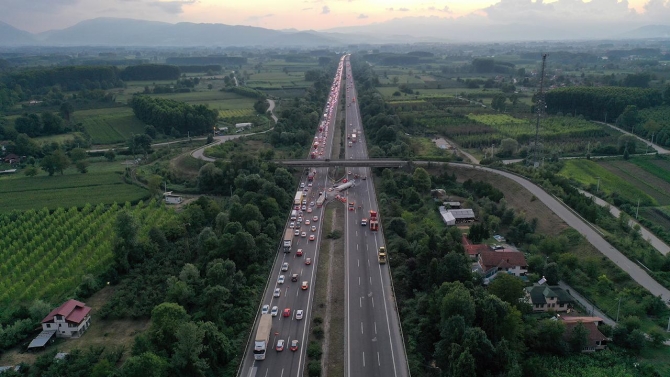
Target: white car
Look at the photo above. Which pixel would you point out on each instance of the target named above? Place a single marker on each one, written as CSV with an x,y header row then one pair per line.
x,y
274,311
266,309
299,219
291,225
309,210
304,208
281,279
299,314
304,234
311,204
302,184
277,292
307,222
315,218
284,267
309,184
297,232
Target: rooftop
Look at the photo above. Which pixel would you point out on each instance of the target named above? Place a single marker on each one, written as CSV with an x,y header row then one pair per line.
x,y
72,310
507,259
540,292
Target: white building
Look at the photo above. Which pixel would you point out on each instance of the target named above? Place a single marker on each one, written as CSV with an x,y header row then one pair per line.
x,y
243,125
447,217
69,320
172,199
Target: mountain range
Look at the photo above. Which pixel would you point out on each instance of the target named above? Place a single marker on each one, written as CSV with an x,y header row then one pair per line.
x,y
132,32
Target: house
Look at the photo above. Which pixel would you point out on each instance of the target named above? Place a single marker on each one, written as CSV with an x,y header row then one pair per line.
x,y
452,205
493,262
69,320
447,217
473,250
11,158
463,215
544,298
171,198
595,340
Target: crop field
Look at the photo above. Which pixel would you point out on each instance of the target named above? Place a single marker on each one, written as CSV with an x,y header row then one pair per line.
x,y
646,182
44,255
102,184
659,168
236,113
109,125
587,171
657,215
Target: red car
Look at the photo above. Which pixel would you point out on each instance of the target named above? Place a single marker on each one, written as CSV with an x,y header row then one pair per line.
x,y
287,312
298,253
294,345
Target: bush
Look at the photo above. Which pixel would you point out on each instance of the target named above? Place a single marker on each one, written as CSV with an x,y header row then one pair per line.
x,y
314,351
335,234
314,369
318,332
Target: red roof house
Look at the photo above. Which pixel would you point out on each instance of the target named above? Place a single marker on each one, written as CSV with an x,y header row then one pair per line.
x,y
473,250
70,320
512,262
595,340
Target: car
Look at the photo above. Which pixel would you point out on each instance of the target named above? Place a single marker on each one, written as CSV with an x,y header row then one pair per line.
x,y
304,202
315,218
266,309
365,177
349,172
299,219
304,285
303,234
307,222
284,267
294,345
299,314
311,237
308,261
287,312
280,345
294,277
280,280
364,222
297,232
304,208
291,225
313,229
309,210
302,184
309,184
274,311
311,204
298,253
277,292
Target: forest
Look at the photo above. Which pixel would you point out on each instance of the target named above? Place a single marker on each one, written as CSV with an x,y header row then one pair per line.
x,y
168,115
147,72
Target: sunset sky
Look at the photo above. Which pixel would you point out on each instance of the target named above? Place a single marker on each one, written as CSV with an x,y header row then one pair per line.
x,y
42,15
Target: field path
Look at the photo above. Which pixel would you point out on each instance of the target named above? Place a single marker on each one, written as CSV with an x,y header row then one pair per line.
x,y
654,241
200,152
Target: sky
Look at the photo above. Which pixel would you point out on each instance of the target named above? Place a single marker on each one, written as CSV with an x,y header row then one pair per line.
x,y
42,15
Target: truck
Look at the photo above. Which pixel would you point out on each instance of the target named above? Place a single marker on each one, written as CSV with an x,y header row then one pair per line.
x,y
288,240
353,137
262,337
374,221
298,198
311,175
381,255
321,200
344,186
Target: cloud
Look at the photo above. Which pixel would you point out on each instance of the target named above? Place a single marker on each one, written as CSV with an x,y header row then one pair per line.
x,y
172,7
307,8
362,16
325,9
257,18
403,9
389,9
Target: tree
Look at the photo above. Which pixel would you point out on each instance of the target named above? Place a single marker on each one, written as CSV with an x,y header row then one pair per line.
x,y
55,162
66,110
551,273
186,358
629,118
166,319
508,288
30,171
145,365
110,155
656,337
151,131
464,365
51,124
508,146
82,166
498,102
421,180
154,185
140,144
78,154
578,338
626,142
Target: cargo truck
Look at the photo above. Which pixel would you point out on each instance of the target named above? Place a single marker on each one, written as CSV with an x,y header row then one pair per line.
x,y
311,175
374,221
321,200
344,186
298,198
288,240
381,255
262,337
353,137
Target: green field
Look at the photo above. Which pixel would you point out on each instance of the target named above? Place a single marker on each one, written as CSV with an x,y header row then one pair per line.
x,y
44,255
659,168
102,184
109,125
587,171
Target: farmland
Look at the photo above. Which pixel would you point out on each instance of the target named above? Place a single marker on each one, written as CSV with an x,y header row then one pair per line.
x,y
102,184
44,255
646,182
109,125
587,171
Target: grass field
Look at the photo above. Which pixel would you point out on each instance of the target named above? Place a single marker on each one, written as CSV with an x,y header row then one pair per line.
x,y
659,168
587,171
642,179
102,184
109,125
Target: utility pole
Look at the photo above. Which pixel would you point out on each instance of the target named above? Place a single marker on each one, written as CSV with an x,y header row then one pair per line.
x,y
598,187
617,310
540,107
638,209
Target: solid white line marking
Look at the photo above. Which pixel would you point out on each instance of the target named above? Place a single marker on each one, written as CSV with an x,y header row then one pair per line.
x,y
378,362
360,301
359,280
364,359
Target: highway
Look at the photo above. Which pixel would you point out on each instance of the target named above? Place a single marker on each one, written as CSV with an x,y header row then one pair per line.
x,y
292,296
373,340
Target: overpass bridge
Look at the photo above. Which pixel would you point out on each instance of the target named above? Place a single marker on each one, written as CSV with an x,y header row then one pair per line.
x,y
372,162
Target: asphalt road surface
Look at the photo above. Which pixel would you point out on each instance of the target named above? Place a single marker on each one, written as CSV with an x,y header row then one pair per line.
x,y
292,296
373,340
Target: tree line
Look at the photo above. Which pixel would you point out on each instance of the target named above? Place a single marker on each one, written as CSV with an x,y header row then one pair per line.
x,y
167,115
150,72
